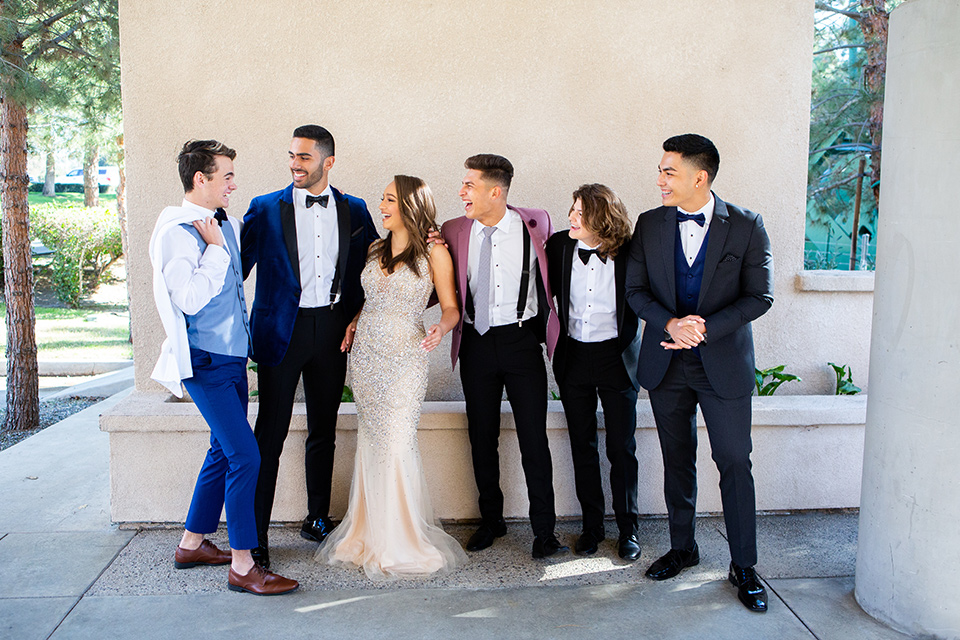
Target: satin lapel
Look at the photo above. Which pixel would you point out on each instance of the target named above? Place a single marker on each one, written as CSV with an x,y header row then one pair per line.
x,y
716,238
668,246
462,242
288,222
343,226
569,249
620,278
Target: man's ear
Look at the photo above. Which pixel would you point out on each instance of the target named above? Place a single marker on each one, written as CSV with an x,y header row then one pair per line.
x,y
198,179
495,192
328,163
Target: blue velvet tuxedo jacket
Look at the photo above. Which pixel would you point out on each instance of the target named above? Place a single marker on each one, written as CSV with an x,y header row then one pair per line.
x,y
269,241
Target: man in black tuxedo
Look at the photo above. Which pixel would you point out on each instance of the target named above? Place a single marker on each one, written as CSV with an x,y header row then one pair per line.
x,y
309,243
596,357
700,271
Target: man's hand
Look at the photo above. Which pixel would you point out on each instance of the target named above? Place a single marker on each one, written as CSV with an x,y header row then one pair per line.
x,y
686,333
435,237
209,230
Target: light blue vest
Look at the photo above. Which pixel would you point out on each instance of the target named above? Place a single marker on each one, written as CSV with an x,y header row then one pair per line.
x,y
222,325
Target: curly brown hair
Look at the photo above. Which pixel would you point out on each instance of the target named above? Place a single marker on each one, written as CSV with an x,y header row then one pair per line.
x,y
604,215
419,215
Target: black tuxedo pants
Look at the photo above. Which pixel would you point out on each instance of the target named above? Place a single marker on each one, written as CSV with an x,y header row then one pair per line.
x,y
314,353
595,370
674,402
509,356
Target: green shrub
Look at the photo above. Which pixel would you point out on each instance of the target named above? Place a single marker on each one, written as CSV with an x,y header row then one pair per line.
x,y
845,386
769,380
86,242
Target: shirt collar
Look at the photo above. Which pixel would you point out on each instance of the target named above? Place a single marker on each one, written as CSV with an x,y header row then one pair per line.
x,y
503,225
706,210
300,195
582,245
195,207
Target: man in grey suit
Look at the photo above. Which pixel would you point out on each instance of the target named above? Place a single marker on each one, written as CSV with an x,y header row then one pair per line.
x,y
699,272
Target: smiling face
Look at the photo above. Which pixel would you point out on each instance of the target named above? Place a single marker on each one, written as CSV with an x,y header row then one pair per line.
x,y
482,200
578,230
390,209
308,168
681,183
213,191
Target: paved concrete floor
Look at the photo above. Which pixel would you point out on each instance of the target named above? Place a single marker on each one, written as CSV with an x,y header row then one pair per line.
x,y
67,572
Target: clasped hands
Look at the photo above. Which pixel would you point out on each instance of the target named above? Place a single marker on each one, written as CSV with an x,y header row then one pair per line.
x,y
686,333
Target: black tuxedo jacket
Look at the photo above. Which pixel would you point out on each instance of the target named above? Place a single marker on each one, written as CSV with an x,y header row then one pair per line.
x,y
561,251
269,241
737,288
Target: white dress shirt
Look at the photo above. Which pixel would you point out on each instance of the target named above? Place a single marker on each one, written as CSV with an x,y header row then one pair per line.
x,y
692,234
593,298
184,280
318,247
505,261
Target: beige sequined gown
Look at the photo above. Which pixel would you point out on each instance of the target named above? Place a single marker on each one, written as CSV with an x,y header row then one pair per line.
x,y
389,528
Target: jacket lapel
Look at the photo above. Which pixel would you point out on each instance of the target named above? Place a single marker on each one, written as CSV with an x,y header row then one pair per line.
x,y
462,243
288,223
716,238
620,279
343,227
668,246
563,308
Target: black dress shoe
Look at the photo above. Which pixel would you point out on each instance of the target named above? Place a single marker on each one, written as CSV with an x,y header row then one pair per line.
x,y
316,530
628,547
261,555
673,562
588,542
544,546
749,590
484,536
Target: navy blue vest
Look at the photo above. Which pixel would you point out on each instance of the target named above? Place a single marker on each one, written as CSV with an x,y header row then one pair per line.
x,y
689,278
222,325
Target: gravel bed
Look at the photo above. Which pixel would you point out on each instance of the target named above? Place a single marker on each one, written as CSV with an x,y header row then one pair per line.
x,y
51,412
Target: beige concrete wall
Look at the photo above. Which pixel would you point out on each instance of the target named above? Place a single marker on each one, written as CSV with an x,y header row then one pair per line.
x,y
807,455
571,91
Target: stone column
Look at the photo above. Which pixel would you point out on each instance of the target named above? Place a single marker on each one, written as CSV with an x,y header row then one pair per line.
x,y
909,548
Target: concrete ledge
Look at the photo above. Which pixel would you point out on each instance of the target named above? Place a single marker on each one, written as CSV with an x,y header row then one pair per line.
x,y
808,452
823,280
57,368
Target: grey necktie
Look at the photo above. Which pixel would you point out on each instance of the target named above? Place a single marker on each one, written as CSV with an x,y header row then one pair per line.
x,y
481,302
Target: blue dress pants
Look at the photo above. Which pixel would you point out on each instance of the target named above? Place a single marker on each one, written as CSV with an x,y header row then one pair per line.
x,y
229,473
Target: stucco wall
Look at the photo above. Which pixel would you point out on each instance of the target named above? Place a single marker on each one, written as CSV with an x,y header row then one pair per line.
x,y
571,91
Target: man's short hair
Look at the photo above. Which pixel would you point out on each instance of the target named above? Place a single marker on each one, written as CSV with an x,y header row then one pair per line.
x,y
697,150
320,136
493,168
200,155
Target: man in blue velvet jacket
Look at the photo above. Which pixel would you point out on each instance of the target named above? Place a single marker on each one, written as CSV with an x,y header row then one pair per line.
x,y
309,243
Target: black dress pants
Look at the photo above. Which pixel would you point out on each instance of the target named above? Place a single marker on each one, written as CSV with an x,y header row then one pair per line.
x,y
595,370
728,420
314,353
508,356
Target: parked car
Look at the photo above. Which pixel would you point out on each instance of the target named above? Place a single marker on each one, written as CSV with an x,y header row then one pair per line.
x,y
109,177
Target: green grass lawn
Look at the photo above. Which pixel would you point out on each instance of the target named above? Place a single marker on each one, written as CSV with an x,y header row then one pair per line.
x,y
79,335
72,199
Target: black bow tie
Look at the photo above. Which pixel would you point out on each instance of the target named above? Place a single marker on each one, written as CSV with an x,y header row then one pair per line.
x,y
585,255
220,216
321,199
699,218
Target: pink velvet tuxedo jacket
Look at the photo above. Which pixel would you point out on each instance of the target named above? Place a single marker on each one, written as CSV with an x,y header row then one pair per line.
x,y
456,233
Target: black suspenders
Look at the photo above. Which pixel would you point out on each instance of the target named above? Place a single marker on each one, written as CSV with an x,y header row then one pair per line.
x,y
524,282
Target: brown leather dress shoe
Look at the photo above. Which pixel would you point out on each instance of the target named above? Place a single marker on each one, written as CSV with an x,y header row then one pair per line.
x,y
206,553
261,582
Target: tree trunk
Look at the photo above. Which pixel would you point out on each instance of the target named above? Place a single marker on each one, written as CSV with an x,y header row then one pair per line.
x,y
122,217
50,179
23,394
91,176
873,23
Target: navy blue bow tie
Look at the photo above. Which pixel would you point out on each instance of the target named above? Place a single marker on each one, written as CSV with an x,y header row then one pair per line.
x,y
220,216
321,199
585,255
699,218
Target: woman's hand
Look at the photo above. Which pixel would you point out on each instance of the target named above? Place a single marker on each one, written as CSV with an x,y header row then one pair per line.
x,y
434,336
348,337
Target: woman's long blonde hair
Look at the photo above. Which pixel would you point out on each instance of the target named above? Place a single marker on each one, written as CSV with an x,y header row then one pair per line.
x,y
419,215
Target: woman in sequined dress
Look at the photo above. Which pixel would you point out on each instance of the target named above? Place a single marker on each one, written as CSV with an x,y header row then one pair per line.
x,y
389,528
